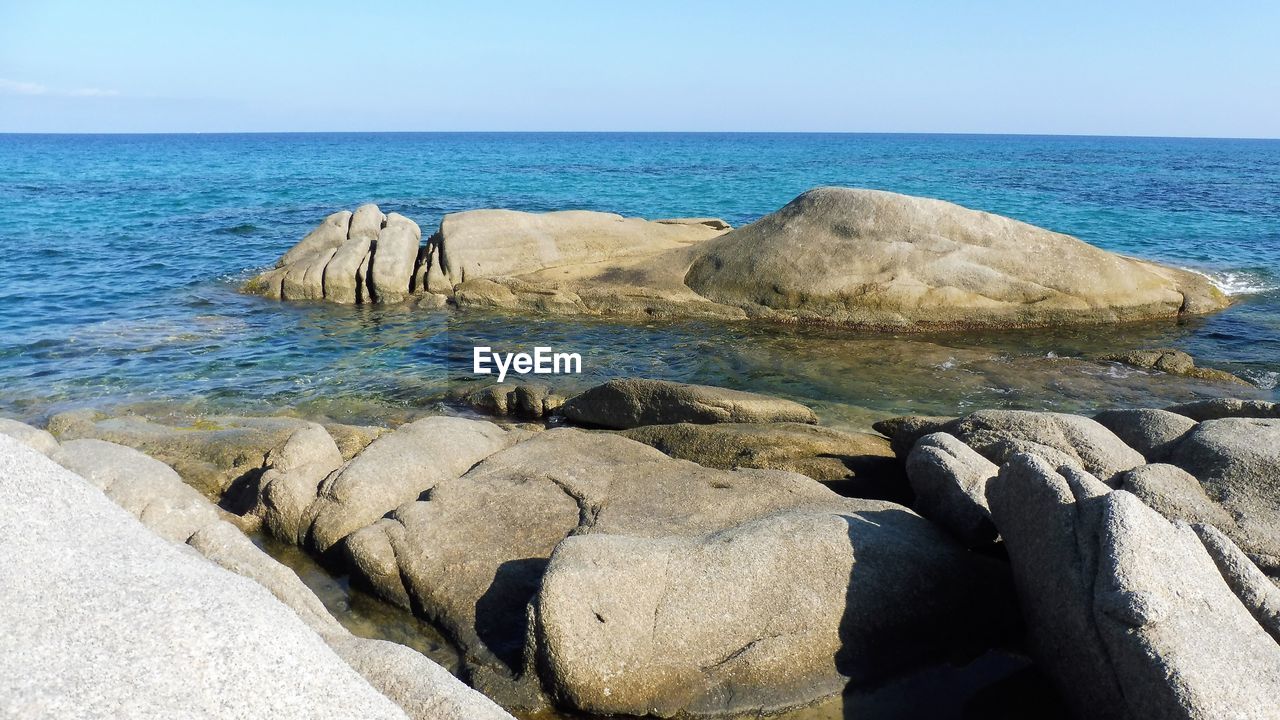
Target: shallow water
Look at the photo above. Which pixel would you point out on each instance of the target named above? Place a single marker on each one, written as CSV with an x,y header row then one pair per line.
x,y
123,254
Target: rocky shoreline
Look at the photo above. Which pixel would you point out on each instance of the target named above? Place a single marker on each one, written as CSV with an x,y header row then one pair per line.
x,y
652,548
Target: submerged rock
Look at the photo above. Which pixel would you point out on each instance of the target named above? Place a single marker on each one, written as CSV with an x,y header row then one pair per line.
x,y
633,402
1174,362
852,464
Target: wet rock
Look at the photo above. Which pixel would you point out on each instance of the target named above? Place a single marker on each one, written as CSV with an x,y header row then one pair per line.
x,y
395,469
526,401
904,431
1127,613
633,402
35,438
170,619
998,434
1154,433
881,260
852,464
1217,408
1174,362
950,481
771,613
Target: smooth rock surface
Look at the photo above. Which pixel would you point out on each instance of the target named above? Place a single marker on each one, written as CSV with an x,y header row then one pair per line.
x,y
633,402
1154,433
998,434
35,438
950,481
905,430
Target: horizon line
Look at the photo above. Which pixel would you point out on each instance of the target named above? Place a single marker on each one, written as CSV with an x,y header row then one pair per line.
x,y
124,133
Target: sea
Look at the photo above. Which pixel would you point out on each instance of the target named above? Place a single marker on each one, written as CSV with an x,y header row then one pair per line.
x,y
121,258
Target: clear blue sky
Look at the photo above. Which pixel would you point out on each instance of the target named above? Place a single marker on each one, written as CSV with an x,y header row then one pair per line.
x,y
1124,68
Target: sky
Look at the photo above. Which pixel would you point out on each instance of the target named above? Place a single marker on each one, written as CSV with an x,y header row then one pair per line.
x,y
1140,67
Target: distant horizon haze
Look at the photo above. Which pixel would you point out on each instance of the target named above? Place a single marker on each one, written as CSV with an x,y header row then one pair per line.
x,y
989,67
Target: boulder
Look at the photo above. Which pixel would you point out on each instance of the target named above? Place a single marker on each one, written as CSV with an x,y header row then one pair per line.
x,y
105,619
1258,592
998,434
499,243
393,260
852,464
525,401
1154,433
395,469
880,260
905,430
1127,613
35,438
768,614
1174,362
633,402
950,481
290,482
328,235
1217,408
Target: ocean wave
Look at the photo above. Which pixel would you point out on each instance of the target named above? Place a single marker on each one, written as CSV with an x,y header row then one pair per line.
x,y
1239,282
1265,379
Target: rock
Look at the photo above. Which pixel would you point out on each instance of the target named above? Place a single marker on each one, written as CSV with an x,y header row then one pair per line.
x,y
1127,613
346,277
395,469
904,431
713,223
527,401
881,260
852,464
328,235
393,261
84,581
499,243
210,453
997,434
366,223
771,613
1175,494
1251,585
470,556
1237,461
293,472
35,438
1153,433
633,402
950,481
1217,408
1174,362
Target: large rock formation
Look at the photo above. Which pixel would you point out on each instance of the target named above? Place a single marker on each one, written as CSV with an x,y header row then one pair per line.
x,y
859,258
633,402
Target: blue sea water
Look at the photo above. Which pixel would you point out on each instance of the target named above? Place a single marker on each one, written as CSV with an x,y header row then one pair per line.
x,y
122,254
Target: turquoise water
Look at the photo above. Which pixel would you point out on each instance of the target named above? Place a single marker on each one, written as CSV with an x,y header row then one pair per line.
x,y
122,255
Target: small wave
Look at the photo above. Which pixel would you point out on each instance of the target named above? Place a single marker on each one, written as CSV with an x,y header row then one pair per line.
x,y
1265,379
1239,282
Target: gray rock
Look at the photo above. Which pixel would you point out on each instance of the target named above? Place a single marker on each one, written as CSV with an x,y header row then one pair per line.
x,y
881,260
527,401
995,434
395,469
1217,408
1258,593
304,278
633,402
104,619
393,261
771,613
366,223
345,277
1174,362
852,464
290,482
904,431
35,438
1153,433
950,484
1127,613
328,235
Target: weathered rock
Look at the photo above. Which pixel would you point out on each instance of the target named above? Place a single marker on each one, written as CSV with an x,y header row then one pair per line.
x,y
1237,461
1126,612
633,402
882,260
1153,433
35,438
997,435
366,223
471,555
293,472
1217,408
328,235
527,401
950,484
84,581
392,263
1174,362
852,464
904,431
346,279
395,469
768,614
1175,494
498,243
1258,593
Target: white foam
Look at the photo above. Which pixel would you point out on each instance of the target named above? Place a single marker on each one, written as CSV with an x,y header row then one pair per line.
x,y
1265,379
1238,282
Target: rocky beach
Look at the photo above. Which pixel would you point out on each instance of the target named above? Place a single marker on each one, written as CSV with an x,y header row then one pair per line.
x,y
1087,528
